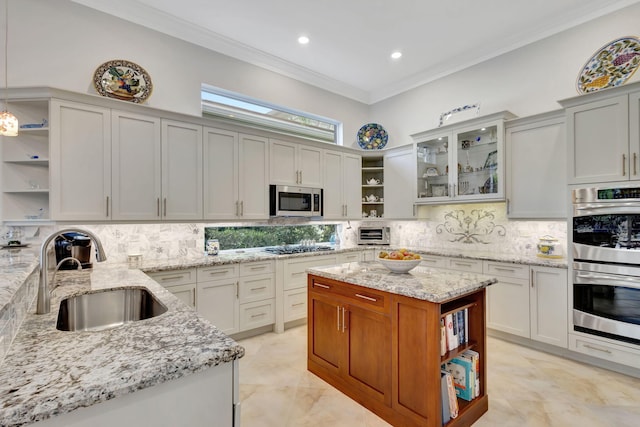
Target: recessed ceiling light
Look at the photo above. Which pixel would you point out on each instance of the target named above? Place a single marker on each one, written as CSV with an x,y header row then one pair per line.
x,y
303,40
396,55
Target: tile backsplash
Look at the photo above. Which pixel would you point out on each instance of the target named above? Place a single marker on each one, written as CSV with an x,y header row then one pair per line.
x,y
471,227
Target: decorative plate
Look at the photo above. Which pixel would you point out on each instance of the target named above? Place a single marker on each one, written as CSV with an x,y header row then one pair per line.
x,y
372,136
610,66
123,80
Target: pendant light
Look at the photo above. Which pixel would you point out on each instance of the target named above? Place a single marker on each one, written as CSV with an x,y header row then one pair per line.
x,y
8,122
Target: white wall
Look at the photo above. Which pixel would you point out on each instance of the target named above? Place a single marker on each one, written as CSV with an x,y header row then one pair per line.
x,y
60,44
527,81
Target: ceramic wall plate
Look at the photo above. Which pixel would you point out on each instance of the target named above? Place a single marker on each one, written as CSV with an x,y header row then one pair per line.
x,y
612,65
123,80
372,136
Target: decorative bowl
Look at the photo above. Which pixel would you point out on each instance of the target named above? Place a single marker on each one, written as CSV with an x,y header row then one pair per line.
x,y
399,266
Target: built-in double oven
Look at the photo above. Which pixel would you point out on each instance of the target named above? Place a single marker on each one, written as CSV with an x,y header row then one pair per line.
x,y
606,262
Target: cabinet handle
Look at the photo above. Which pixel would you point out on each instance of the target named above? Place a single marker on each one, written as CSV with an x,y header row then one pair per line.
x,y
214,273
158,206
624,160
237,208
194,299
635,163
297,304
260,267
366,297
344,323
237,289
455,189
320,285
461,264
164,279
509,270
414,209
532,278
338,310
300,177
165,206
257,289
604,350
107,206
253,316
508,206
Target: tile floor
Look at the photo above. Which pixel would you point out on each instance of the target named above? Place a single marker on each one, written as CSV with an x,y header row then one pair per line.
x,y
526,388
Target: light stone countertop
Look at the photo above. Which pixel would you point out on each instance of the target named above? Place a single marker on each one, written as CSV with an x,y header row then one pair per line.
x,y
422,283
47,372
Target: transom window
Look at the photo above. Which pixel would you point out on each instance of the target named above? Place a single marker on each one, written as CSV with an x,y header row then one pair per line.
x,y
245,110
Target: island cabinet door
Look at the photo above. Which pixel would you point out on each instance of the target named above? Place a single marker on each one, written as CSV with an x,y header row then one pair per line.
x,y
325,339
368,352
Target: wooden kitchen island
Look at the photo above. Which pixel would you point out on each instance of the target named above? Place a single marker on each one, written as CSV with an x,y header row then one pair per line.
x,y
375,336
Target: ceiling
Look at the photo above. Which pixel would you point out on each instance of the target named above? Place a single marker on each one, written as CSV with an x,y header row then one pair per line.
x,y
351,40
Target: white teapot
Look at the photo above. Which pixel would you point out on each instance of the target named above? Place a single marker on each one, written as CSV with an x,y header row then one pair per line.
x,y
373,181
372,198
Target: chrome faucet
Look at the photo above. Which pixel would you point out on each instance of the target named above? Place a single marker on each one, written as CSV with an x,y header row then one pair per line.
x,y
44,295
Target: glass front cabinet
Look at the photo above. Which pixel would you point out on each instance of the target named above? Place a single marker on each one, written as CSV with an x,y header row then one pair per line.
x,y
462,162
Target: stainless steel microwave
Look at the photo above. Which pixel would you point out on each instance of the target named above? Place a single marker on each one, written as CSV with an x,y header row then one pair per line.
x,y
288,200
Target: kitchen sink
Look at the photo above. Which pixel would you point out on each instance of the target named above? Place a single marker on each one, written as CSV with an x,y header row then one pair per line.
x,y
107,309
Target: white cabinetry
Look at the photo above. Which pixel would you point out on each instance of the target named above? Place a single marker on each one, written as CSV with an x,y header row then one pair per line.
x,y
25,167
462,162
508,300
341,196
536,166
181,170
217,296
295,164
603,135
399,177
291,280
181,283
80,165
137,168
236,175
548,305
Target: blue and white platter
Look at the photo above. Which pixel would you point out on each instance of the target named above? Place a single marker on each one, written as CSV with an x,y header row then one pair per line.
x,y
372,136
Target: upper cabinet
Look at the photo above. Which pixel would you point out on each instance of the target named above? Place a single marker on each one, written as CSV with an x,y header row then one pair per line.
x,y
295,164
236,175
536,166
341,196
462,162
398,183
25,164
603,135
80,165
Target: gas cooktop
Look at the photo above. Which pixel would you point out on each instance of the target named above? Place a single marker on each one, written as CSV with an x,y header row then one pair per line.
x,y
297,249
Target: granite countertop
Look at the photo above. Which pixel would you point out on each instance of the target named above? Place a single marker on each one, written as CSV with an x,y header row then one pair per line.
x,y
423,283
48,372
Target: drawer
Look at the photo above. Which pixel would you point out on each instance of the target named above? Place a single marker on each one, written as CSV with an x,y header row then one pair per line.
x,y
602,350
357,295
295,304
256,314
174,277
217,272
255,288
516,271
433,261
253,268
295,270
466,265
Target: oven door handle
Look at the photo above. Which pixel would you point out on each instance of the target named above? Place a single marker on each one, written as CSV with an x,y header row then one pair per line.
x,y
584,209
605,279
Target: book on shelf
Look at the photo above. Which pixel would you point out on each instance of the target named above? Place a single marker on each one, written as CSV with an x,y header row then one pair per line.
x,y
474,356
450,396
444,391
456,328
461,327
452,336
463,373
443,338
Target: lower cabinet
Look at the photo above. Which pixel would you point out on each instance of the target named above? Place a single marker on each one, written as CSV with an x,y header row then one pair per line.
x,y
529,301
181,283
346,324
234,297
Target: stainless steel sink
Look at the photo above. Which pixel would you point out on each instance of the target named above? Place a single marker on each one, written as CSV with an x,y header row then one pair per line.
x,y
99,310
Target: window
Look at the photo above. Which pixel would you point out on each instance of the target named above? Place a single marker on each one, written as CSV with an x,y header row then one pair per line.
x,y
245,110
260,236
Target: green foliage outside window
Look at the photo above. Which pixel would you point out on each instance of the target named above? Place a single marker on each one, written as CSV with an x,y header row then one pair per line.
x,y
256,237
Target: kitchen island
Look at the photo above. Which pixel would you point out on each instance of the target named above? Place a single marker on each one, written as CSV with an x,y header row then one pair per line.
x,y
376,336
172,369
